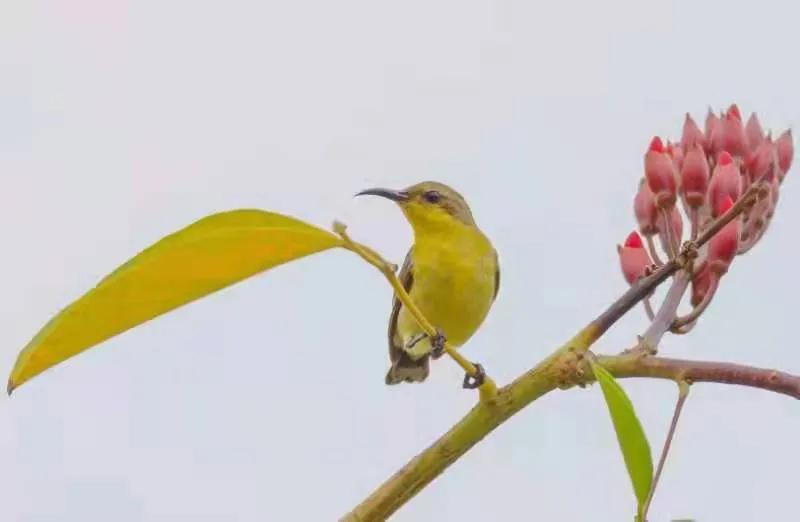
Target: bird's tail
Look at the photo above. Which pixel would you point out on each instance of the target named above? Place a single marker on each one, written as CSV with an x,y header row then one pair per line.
x,y
406,369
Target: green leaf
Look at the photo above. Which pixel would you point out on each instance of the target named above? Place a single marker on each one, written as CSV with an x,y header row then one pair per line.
x,y
631,437
208,255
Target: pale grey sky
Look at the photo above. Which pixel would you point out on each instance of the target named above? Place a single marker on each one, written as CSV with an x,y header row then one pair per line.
x,y
123,121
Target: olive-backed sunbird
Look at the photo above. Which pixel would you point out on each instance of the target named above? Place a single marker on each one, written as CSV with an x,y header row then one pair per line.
x,y
451,273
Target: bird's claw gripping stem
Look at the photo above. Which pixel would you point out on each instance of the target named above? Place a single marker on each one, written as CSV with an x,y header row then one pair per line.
x,y
437,341
437,344
472,382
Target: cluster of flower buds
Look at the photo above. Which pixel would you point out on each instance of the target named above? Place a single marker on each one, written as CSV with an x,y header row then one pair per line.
x,y
696,180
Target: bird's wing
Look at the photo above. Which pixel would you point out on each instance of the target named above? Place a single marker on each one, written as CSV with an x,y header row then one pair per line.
x,y
496,275
406,277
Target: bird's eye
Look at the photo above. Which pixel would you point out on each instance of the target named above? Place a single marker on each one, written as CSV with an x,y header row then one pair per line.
x,y
432,196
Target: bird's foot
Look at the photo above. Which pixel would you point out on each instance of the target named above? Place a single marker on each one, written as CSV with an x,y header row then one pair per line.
x,y
437,344
475,381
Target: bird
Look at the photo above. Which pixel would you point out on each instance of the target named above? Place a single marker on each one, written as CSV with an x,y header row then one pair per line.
x,y
452,274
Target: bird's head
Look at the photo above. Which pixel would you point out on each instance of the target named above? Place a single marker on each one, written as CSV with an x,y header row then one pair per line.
x,y
428,204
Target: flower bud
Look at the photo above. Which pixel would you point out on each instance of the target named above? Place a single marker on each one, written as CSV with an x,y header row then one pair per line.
x,y
712,122
660,173
692,135
723,246
633,258
694,177
785,149
644,208
754,132
675,151
726,182
762,160
729,134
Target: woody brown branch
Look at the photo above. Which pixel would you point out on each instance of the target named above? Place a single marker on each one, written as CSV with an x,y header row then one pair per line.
x,y
702,371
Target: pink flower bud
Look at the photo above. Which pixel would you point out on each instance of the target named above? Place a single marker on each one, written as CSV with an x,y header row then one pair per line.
x,y
660,173
733,112
723,246
712,122
754,132
692,135
633,258
729,134
762,160
644,208
694,177
726,182
675,151
785,147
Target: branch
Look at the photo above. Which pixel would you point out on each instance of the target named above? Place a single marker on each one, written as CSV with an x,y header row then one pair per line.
x,y
487,415
702,371
562,369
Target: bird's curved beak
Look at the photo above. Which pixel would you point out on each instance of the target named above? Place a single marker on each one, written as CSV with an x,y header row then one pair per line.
x,y
398,196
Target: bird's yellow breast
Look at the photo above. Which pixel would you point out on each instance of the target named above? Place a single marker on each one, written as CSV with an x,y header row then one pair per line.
x,y
454,274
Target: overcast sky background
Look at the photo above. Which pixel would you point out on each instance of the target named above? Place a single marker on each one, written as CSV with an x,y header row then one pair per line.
x,y
123,121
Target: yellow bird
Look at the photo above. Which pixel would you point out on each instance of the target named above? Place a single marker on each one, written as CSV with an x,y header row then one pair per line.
x,y
451,273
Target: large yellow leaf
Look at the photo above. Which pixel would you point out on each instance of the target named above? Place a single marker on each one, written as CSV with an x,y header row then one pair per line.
x,y
208,255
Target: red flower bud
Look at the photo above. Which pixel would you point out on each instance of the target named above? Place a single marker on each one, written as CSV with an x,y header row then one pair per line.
x,y
694,177
762,160
785,147
729,134
644,208
723,246
725,182
675,151
692,135
660,173
656,144
733,112
754,132
634,240
633,258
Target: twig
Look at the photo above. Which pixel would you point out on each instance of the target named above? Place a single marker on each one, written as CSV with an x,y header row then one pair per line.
x,y
651,246
488,389
670,243
648,308
665,315
698,310
683,393
623,366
